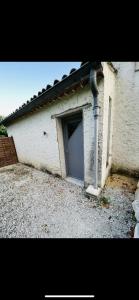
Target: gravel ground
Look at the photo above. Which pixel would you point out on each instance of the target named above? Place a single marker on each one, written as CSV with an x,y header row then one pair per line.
x,y
38,205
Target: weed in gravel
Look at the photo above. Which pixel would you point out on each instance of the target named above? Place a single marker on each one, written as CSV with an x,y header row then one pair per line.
x,y
133,216
105,202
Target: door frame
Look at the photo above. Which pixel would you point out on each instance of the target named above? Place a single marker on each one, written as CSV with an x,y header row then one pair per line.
x,y
64,119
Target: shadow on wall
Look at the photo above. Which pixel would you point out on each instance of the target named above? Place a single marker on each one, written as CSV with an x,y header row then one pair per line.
x,y
124,171
43,169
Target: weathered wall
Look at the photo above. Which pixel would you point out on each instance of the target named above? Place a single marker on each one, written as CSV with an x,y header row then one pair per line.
x,y
89,138
108,91
125,149
42,151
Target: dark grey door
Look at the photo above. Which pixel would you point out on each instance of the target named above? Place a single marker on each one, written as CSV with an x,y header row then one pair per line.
x,y
73,142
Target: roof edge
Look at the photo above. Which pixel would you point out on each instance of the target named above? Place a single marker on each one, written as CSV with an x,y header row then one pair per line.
x,y
48,94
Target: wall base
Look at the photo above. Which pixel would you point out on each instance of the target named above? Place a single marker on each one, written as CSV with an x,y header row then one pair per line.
x,y
92,191
115,169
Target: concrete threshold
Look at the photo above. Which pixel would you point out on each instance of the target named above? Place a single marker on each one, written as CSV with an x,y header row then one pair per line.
x,y
92,191
75,181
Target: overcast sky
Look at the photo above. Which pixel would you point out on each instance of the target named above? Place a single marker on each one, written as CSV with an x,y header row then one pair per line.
x,y
19,81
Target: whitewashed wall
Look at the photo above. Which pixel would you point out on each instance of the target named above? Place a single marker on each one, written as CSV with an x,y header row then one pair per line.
x,y
42,151
108,91
126,118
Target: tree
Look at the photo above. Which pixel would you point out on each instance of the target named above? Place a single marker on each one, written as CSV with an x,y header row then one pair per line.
x,y
3,130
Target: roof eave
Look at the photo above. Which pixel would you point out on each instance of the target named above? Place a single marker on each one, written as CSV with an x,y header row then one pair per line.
x,y
78,76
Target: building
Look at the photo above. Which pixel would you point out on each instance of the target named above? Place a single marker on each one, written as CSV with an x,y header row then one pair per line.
x,y
84,125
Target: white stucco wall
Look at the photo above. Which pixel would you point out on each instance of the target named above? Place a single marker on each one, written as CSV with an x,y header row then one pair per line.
x,y
108,91
125,149
42,151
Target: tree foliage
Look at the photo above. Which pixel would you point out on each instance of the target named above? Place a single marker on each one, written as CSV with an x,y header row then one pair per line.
x,y
3,130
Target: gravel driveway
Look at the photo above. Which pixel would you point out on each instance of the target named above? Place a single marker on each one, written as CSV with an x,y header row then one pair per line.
x,y
36,204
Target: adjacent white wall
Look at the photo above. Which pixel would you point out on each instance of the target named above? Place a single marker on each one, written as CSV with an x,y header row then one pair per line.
x,y
108,91
125,150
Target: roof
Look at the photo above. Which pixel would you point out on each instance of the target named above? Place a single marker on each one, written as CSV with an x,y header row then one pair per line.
x,y
68,83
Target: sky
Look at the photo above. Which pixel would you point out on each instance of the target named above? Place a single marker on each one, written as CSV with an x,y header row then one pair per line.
x,y
19,81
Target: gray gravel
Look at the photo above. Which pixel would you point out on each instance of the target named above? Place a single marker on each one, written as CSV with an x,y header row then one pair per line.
x,y
38,205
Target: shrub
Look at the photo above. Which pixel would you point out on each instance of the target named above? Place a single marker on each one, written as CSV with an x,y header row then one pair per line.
x,y
3,130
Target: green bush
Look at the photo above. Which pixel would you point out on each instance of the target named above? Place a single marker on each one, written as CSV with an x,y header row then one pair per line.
x,y
3,130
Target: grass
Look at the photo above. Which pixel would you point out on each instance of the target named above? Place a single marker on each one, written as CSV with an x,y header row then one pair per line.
x,y
133,216
104,201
